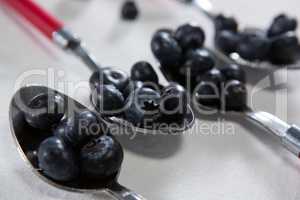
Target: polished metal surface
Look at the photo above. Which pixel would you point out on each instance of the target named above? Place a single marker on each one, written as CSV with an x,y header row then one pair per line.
x,y
27,139
270,122
86,57
204,5
289,135
66,40
63,38
292,140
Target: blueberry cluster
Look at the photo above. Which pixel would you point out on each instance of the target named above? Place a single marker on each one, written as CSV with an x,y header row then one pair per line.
x,y
72,147
278,44
139,98
184,59
181,52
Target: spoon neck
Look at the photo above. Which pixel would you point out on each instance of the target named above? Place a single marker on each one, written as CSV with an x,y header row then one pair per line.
x,y
206,7
122,193
289,135
69,41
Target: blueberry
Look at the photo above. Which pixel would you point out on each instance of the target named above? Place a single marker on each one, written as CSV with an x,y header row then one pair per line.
x,y
207,95
213,76
33,158
133,85
227,41
46,110
129,10
166,49
190,36
57,160
173,104
79,128
143,106
101,158
284,49
282,24
253,46
233,72
197,62
143,71
109,76
234,96
108,100
225,23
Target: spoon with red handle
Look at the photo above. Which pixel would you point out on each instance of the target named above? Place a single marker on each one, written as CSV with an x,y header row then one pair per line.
x,y
53,29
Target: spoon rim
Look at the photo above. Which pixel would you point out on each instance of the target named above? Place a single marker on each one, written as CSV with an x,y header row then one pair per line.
x,y
126,124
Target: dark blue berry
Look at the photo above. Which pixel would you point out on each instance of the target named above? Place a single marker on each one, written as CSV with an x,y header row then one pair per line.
x,y
79,128
284,49
46,111
213,76
208,95
109,76
57,160
253,46
233,72
190,36
225,23
129,10
33,158
227,41
143,106
197,62
282,24
166,49
234,96
108,100
174,102
101,158
133,85
143,71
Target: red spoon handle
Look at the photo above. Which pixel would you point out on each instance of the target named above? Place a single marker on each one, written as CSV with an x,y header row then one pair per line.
x,y
36,15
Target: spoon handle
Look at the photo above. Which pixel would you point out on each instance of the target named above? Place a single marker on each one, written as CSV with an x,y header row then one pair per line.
x,y
122,193
205,6
52,28
289,135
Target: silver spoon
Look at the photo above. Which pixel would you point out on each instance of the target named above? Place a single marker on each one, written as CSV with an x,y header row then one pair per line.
x,y
288,135
57,33
26,141
207,8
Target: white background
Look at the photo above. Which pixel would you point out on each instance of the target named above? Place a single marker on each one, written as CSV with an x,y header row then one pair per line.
x,y
248,165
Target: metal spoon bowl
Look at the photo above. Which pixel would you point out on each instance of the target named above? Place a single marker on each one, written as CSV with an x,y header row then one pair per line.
x,y
206,7
156,128
28,139
289,135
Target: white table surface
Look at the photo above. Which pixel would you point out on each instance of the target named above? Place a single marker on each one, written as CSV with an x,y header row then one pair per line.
x,y
199,165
